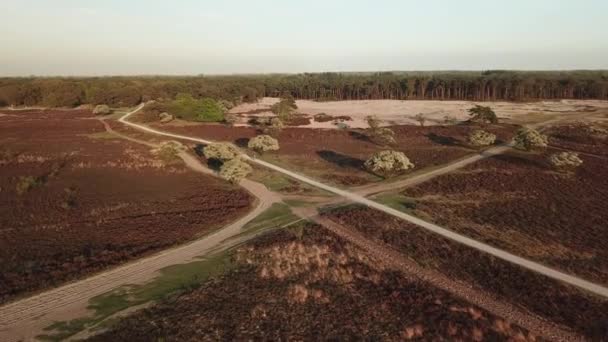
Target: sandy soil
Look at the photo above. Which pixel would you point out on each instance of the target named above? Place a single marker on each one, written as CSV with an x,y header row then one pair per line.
x,y
395,112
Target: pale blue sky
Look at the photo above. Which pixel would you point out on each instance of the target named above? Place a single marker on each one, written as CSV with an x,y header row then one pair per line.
x,y
86,37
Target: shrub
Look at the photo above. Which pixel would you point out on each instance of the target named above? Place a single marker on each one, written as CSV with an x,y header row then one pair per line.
x,y
481,138
263,143
528,139
483,114
322,117
168,152
235,170
285,107
272,126
26,183
220,151
565,160
373,122
421,119
377,134
388,163
102,110
188,108
342,125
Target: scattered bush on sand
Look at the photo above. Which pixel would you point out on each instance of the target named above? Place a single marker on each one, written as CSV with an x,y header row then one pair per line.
x,y
388,163
235,170
483,114
377,134
263,143
528,139
481,138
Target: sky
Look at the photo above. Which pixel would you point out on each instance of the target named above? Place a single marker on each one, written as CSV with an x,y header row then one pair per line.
x,y
132,37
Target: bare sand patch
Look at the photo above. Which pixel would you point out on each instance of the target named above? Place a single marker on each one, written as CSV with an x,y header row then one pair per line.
x,y
398,112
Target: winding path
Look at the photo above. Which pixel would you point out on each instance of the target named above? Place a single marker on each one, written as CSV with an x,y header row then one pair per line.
x,y
483,247
26,318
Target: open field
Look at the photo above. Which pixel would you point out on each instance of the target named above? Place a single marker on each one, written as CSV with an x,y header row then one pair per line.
x,y
75,200
337,156
570,307
301,283
398,112
519,203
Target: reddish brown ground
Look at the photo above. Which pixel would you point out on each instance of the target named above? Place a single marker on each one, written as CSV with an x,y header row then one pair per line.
x,y
579,138
549,299
308,284
338,155
517,202
97,201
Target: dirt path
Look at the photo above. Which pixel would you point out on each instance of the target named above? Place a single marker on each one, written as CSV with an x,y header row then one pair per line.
x,y
24,319
354,197
391,258
372,189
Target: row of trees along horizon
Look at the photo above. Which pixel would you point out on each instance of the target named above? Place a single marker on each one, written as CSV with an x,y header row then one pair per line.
x,y
475,86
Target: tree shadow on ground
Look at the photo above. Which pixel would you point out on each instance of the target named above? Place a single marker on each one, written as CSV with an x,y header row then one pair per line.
x,y
523,160
443,140
360,136
213,164
241,142
341,160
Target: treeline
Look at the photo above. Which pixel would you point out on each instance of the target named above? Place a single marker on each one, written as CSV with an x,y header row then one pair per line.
x,y
475,86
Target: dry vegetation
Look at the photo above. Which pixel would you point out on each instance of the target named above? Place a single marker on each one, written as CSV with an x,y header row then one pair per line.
x,y
338,156
75,199
307,284
562,304
518,202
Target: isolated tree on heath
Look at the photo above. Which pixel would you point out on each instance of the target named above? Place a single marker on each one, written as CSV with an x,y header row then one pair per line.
x,y
235,170
102,110
379,135
565,161
220,151
421,119
272,126
263,143
528,139
483,114
481,138
285,107
388,163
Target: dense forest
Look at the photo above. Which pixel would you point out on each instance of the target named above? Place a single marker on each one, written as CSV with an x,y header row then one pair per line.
x,y
464,85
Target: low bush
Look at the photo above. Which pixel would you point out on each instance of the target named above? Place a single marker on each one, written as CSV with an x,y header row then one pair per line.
x,y
388,163
235,170
565,161
263,143
481,138
528,139
102,110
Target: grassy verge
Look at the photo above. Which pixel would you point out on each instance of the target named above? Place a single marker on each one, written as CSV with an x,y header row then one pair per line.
x,y
276,216
280,183
172,280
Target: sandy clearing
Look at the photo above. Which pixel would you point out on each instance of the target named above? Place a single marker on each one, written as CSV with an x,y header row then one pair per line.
x,y
403,112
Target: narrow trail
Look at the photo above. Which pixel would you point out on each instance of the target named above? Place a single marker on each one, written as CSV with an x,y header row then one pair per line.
x,y
392,259
26,318
357,198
